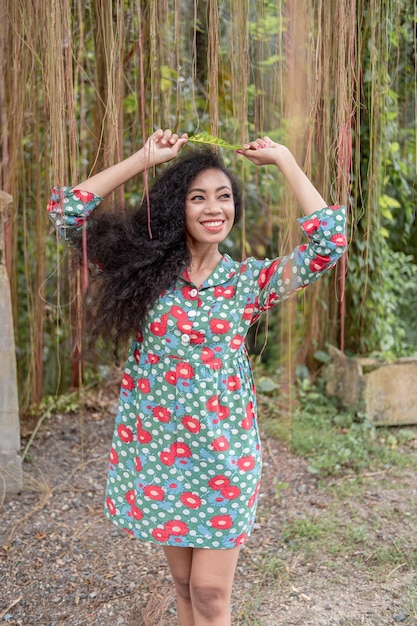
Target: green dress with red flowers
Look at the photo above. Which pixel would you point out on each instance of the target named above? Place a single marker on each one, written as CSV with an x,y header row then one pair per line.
x,y
185,461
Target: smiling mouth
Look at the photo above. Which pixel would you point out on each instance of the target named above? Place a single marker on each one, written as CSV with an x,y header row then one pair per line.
x,y
213,225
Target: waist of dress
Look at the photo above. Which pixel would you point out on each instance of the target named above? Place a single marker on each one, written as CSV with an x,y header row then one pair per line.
x,y
209,356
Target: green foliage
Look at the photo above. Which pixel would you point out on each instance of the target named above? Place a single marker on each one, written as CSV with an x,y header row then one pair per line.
x,y
382,301
335,441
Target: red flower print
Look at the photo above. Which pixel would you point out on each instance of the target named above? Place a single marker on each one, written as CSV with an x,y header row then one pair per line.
x,y
139,336
114,457
246,423
128,382
310,226
125,433
161,414
246,463
197,337
130,496
222,522
230,492
250,414
159,328
191,500
223,412
180,449
267,273
135,512
213,403
167,458
240,539
185,326
272,299
184,370
218,482
220,444
154,492
176,527
144,385
319,263
233,383
224,292
144,436
207,355
191,423
171,377
111,506
136,355
160,534
189,293
178,312
248,311
339,239
53,205
83,196
153,358
302,248
138,464
236,342
219,327
215,364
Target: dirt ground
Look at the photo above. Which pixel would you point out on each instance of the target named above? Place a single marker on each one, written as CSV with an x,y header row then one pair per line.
x,y
61,561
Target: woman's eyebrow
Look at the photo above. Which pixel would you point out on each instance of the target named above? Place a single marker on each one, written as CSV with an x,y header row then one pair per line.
x,y
203,190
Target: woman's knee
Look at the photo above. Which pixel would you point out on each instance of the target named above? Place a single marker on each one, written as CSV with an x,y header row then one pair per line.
x,y
208,599
182,585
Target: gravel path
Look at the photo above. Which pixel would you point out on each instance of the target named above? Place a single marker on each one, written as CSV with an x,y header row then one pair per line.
x,y
62,562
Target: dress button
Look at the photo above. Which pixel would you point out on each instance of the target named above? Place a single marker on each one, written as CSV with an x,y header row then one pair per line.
x,y
193,293
185,339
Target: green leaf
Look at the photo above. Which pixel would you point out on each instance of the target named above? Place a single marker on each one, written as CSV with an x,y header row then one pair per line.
x,y
213,141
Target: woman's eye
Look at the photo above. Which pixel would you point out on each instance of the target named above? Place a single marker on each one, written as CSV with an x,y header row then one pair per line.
x,y
226,196
197,198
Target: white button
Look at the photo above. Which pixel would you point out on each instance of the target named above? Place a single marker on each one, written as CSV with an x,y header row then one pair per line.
x,y
193,293
185,338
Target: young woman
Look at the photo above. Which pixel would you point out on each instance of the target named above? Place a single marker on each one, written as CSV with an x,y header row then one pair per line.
x,y
185,462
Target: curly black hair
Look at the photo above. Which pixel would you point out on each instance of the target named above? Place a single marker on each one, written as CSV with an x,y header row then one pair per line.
x,y
136,269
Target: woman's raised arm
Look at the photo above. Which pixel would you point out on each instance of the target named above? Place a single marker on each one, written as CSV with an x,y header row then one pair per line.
x,y
160,147
264,151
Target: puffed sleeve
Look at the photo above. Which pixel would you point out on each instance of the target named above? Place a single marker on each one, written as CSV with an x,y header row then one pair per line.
x,y
69,208
276,279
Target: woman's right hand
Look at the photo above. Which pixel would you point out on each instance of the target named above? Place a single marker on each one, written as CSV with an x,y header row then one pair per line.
x,y
162,146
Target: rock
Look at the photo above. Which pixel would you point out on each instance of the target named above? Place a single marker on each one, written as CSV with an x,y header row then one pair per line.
x,y
385,392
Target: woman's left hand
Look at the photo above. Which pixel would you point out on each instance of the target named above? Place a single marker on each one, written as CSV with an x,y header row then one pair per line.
x,y
264,151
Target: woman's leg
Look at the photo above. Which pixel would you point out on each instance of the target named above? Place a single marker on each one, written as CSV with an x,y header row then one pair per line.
x,y
180,562
211,582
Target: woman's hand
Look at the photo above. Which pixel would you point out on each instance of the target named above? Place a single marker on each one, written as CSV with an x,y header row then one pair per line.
x,y
264,151
162,146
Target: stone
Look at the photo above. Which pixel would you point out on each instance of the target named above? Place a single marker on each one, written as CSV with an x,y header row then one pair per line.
x,y
10,460
386,392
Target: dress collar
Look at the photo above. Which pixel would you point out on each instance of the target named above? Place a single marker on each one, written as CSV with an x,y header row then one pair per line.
x,y
224,271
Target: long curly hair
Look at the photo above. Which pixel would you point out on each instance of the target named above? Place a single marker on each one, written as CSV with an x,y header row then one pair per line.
x,y
136,269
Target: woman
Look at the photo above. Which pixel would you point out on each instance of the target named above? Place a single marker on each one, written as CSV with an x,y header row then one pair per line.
x,y
185,462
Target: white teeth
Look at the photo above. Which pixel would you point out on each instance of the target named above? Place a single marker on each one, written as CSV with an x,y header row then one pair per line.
x,y
212,224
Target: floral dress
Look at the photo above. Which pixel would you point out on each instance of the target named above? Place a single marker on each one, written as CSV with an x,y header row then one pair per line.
x,y
185,461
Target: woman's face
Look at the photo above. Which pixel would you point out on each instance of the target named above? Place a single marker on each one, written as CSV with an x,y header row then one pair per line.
x,y
209,208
